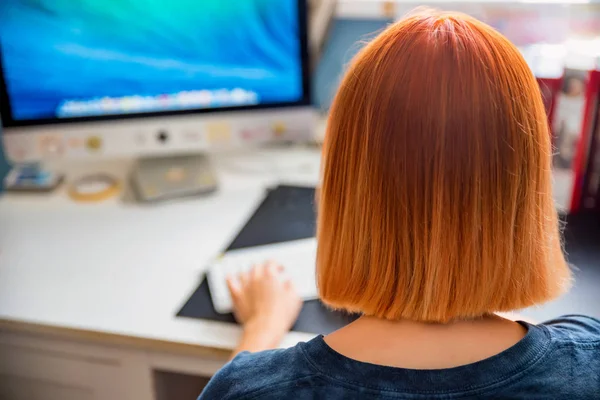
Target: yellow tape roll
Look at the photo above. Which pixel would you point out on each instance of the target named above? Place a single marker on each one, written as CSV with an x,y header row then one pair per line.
x,y
94,188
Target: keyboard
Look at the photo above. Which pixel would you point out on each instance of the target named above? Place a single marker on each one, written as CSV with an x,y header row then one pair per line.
x,y
298,258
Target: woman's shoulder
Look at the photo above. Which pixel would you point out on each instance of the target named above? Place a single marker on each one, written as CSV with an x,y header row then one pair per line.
x,y
574,330
569,365
251,373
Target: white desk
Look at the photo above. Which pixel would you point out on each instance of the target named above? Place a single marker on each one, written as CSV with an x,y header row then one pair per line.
x,y
117,272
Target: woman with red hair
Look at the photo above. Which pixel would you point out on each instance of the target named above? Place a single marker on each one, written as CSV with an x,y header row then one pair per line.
x,y
435,214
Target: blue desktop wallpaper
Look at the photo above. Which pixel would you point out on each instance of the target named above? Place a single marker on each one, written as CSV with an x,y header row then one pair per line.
x,y
55,51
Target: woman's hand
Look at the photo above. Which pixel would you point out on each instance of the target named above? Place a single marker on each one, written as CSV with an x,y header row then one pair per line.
x,y
265,304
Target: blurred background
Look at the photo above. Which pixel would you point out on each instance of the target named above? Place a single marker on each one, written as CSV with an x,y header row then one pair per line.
x,y
553,35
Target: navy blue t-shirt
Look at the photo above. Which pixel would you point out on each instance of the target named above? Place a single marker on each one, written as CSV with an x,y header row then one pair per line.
x,y
559,359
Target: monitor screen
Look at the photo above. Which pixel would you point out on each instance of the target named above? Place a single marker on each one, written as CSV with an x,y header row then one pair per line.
x,y
65,60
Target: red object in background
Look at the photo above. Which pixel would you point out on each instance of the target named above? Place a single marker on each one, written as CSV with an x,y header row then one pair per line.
x,y
573,118
583,147
549,88
590,199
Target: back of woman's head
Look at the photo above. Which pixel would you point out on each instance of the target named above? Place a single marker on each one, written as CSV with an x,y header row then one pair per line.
x,y
436,196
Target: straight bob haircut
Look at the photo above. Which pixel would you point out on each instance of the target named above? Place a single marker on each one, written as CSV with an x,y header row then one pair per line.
x,y
436,200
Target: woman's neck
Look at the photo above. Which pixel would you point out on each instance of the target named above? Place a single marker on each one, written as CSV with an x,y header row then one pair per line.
x,y
418,345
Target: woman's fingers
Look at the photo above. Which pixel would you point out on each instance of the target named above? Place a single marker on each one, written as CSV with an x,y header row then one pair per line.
x,y
244,278
273,268
234,287
257,272
289,286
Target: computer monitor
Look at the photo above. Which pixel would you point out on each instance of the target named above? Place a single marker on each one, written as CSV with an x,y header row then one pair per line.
x,y
91,78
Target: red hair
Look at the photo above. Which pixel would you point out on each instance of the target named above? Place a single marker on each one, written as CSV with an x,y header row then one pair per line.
x,y
436,197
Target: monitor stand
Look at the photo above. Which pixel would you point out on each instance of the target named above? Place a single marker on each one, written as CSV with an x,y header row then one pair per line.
x,y
164,178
